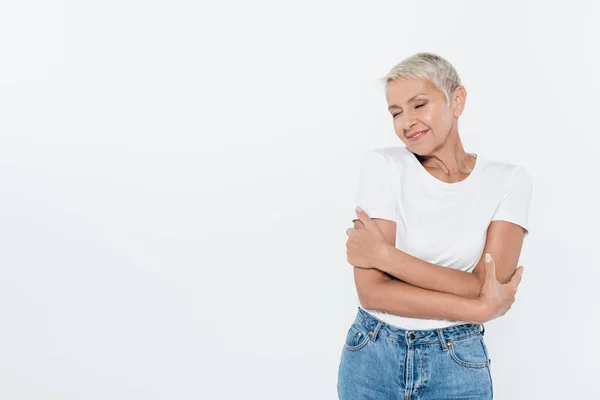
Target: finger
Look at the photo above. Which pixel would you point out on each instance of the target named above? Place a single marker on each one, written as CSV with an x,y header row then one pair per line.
x,y
517,276
490,268
365,219
349,231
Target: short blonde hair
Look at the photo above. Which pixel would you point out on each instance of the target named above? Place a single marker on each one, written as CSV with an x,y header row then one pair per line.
x,y
427,66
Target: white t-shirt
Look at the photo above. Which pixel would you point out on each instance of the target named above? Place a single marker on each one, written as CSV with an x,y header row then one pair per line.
x,y
442,223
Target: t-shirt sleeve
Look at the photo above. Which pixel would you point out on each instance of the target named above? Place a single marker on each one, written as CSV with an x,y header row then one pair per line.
x,y
514,206
375,188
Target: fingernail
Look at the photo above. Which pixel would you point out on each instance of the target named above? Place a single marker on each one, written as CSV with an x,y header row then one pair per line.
x,y
488,258
358,208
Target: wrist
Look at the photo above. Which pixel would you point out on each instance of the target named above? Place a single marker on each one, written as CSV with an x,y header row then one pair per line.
x,y
479,311
385,258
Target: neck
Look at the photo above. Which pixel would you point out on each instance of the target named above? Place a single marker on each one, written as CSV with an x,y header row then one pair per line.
x,y
450,157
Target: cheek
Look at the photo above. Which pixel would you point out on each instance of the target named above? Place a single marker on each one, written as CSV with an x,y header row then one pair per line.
x,y
437,120
430,116
437,115
398,127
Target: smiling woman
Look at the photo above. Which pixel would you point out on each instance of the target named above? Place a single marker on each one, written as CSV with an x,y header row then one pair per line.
x,y
432,212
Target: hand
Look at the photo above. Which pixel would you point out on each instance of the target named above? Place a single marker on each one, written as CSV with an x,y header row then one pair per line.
x,y
365,246
497,298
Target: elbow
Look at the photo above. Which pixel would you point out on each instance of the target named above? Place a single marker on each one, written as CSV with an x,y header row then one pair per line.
x,y
373,297
366,299
368,296
368,283
503,277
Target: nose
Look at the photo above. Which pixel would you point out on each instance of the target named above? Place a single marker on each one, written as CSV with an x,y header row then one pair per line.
x,y
409,118
410,121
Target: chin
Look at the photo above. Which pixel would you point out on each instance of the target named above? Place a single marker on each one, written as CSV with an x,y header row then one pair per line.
x,y
421,148
417,150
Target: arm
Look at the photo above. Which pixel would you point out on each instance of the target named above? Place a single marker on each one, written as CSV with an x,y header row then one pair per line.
x,y
430,276
376,291
504,242
379,291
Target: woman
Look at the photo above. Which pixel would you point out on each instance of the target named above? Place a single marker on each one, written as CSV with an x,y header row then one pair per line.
x,y
428,214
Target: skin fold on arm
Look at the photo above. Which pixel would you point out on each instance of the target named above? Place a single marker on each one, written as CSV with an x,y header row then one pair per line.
x,y
408,286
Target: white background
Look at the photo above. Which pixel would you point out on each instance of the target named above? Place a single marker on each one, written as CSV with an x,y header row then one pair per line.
x,y
176,179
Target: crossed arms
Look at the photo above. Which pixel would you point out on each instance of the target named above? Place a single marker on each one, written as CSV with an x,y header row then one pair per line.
x,y
408,286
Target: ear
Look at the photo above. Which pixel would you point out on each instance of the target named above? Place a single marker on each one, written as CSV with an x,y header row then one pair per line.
x,y
459,96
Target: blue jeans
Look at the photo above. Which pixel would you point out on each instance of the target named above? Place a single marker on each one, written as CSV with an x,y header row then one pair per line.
x,y
381,361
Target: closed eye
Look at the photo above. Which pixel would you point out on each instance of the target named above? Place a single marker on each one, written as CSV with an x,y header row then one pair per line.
x,y
398,113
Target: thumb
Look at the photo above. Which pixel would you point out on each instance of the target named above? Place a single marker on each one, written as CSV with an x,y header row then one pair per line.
x,y
490,268
365,219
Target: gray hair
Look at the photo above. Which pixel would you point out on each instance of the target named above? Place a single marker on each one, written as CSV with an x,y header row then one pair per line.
x,y
427,66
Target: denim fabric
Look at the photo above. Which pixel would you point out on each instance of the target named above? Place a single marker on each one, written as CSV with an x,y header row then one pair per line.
x,y
381,361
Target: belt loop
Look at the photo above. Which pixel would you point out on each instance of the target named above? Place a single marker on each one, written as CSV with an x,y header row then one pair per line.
x,y
442,339
482,329
376,331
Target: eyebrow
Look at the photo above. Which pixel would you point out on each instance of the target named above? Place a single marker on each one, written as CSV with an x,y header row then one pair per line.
x,y
409,100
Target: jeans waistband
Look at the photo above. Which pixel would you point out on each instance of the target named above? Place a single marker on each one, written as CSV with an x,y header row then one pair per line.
x,y
441,335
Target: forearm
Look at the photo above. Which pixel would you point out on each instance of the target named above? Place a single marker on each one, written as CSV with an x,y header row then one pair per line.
x,y
430,276
400,298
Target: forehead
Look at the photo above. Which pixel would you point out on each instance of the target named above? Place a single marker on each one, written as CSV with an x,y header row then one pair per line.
x,y
401,90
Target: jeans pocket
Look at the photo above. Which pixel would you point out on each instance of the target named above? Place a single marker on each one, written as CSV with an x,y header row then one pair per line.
x,y
357,337
469,352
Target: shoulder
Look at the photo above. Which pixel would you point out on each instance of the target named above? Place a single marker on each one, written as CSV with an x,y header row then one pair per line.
x,y
393,155
506,173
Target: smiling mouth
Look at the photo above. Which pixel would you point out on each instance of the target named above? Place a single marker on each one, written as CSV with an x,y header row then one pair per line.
x,y
418,135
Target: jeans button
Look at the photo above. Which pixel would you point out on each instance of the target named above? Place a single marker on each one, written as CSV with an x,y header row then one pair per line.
x,y
412,335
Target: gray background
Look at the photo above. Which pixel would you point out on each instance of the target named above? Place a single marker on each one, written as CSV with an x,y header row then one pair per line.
x,y
175,179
